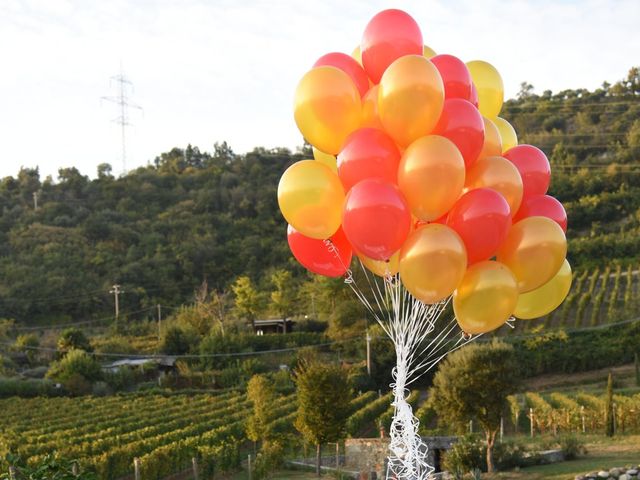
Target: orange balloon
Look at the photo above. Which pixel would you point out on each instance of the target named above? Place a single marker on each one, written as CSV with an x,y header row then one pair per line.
x,y
432,262
431,176
534,251
370,116
410,98
486,297
310,197
499,174
327,108
380,267
492,145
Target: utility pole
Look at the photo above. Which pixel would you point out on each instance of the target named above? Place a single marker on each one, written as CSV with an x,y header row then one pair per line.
x,y
35,201
159,320
115,289
368,353
123,102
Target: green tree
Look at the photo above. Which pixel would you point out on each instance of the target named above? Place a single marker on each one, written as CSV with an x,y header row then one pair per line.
x,y
609,411
27,343
247,299
323,396
473,383
77,370
283,296
262,394
73,339
175,341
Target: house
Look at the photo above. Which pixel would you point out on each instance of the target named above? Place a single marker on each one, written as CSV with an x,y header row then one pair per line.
x,y
163,364
274,325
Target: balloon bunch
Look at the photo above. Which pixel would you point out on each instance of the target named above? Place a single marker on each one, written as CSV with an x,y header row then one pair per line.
x,y
429,182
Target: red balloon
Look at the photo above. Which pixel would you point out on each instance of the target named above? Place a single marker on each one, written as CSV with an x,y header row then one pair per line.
x,y
543,206
473,98
534,169
347,64
389,35
330,260
455,76
368,153
376,218
482,218
462,123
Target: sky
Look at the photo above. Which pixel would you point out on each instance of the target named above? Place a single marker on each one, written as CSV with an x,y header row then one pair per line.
x,y
207,71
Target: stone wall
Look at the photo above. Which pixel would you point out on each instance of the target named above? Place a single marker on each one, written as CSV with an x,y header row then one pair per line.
x,y
370,454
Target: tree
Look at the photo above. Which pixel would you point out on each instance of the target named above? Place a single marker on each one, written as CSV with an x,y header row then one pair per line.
x,y
28,343
175,341
609,411
77,370
247,299
323,395
526,91
283,297
636,362
262,394
473,384
74,338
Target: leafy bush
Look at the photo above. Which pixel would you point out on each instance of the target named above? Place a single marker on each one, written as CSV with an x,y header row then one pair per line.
x,y
470,453
49,467
113,344
77,370
269,458
572,447
175,341
74,339
29,388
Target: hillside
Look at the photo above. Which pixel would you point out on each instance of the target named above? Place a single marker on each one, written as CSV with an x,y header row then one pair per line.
x,y
191,216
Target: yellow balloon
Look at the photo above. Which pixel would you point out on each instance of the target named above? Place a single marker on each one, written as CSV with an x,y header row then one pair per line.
x,y
546,298
327,108
507,133
431,176
534,251
432,262
428,52
489,85
326,159
492,145
499,174
357,55
380,267
370,116
310,197
486,297
410,98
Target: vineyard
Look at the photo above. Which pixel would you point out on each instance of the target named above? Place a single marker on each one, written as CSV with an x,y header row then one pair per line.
x,y
163,431
559,413
597,297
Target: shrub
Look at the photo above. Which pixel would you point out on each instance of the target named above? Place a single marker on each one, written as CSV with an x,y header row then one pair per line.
x,y
572,447
175,341
74,339
470,453
25,343
77,371
269,458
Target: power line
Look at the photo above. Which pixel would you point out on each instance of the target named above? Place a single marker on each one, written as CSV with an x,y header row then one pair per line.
x,y
84,322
